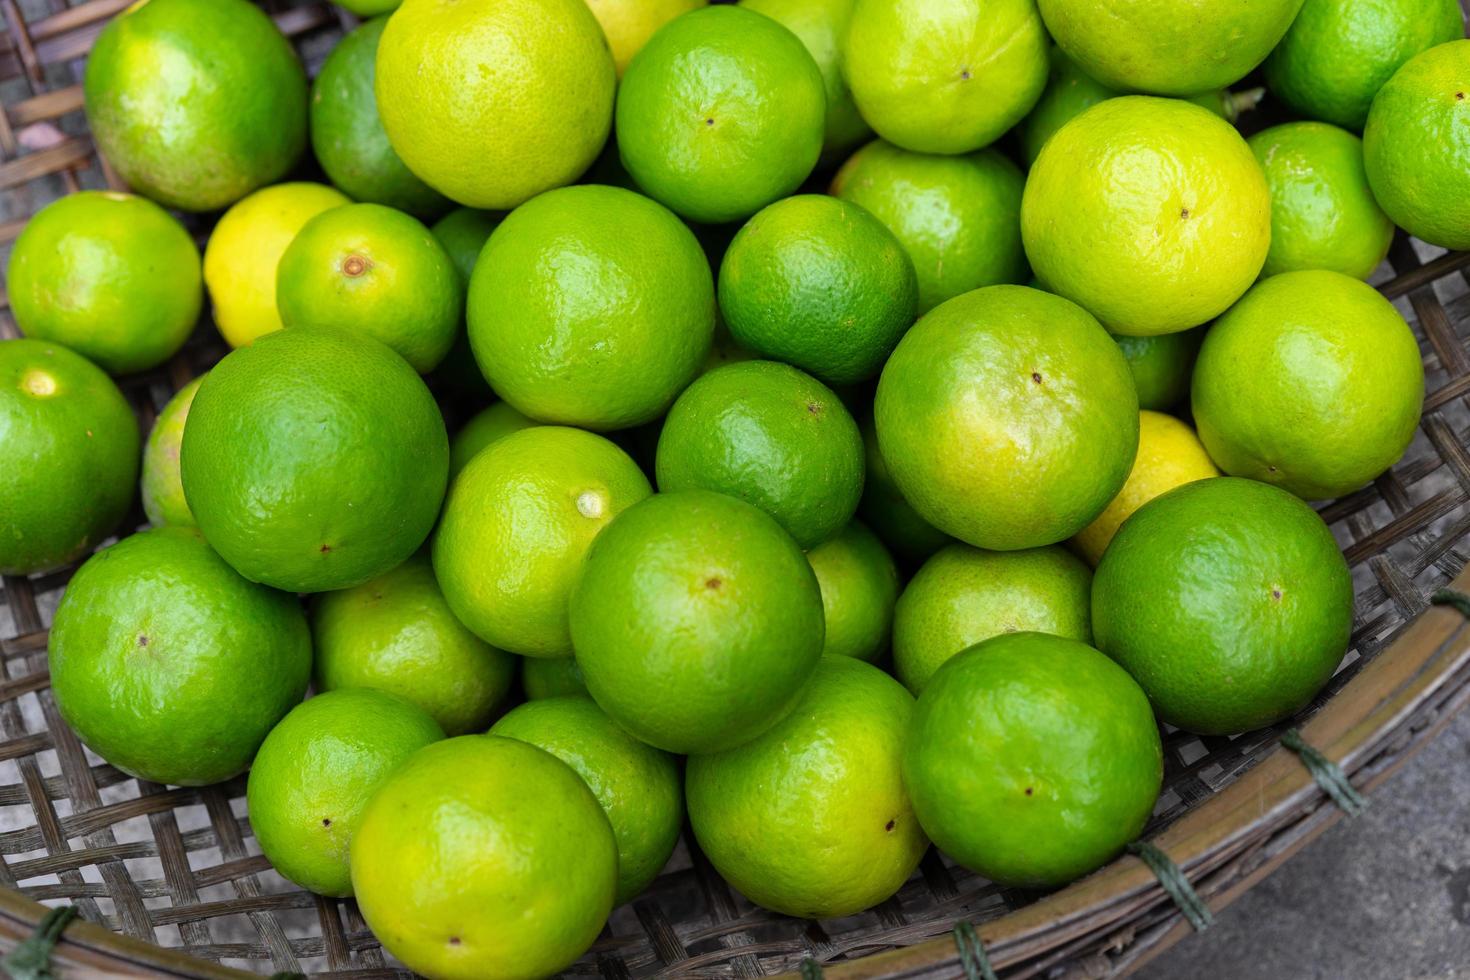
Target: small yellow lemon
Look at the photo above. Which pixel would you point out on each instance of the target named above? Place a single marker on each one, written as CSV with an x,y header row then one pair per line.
x,y
628,24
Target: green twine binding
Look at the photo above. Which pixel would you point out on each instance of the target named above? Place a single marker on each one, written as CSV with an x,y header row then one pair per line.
x,y
1176,884
811,969
1449,597
972,952
31,960
1333,780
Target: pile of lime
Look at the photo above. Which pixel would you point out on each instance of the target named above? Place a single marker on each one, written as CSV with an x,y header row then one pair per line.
x,y
903,475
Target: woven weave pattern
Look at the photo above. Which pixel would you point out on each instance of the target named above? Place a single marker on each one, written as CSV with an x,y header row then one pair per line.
x,y
179,868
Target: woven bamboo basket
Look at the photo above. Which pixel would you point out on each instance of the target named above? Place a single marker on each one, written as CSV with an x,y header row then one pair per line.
x,y
170,882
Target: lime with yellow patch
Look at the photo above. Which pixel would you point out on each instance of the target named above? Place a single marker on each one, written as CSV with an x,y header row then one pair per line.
x,y
162,484
859,584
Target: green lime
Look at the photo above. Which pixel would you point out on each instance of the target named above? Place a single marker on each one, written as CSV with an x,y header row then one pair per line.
x,y
171,666
1167,47
196,103
964,595
484,857
369,269
483,428
1032,759
1161,365
958,217
395,633
1338,53
1007,418
882,507
639,787
1416,146
630,308
721,113
314,460
1152,214
551,677
163,487
1312,382
859,584
347,134
112,276
316,771
1323,215
820,283
946,77
517,524
628,24
1228,601
491,102
811,818
72,443
772,436
369,8
463,233
696,621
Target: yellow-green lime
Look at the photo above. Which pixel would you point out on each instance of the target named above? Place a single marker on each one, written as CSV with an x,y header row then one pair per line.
x,y
1161,365
162,485
483,428
882,507
628,24
551,677
859,584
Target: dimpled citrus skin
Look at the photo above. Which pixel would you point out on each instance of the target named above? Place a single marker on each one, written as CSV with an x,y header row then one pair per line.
x,y
628,24
1152,214
316,771
551,677
772,436
370,269
944,76
911,538
518,522
71,445
483,428
348,137
196,103
1161,365
484,857
1167,47
639,787
112,276
395,633
591,306
1416,145
171,666
245,248
1228,601
314,459
162,486
1007,417
811,818
859,585
1338,53
1312,382
491,102
964,595
958,217
1323,215
1032,759
696,621
720,114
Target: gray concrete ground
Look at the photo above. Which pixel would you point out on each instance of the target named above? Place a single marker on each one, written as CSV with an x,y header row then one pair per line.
x,y
1383,897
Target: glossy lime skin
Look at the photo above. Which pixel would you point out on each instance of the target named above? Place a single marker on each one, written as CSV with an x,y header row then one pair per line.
x,y
1416,144
721,113
1167,47
640,787
958,217
811,818
483,428
1008,418
1032,759
696,621
551,677
316,771
944,76
169,664
396,634
348,136
1161,366
71,446
314,459
859,585
370,269
162,485
484,856
591,306
196,103
820,283
1338,53
112,276
772,436
1228,601
1312,382
1323,215
517,525
908,536
964,595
